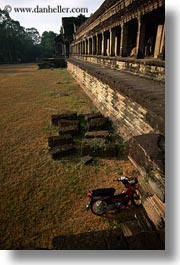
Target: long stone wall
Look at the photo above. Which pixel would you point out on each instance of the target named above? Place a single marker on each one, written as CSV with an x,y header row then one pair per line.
x,y
129,117
145,68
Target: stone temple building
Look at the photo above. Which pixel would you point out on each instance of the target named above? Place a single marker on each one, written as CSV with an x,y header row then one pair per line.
x,y
125,29
118,58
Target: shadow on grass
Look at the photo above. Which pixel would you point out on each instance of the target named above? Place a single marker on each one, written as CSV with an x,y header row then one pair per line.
x,y
132,230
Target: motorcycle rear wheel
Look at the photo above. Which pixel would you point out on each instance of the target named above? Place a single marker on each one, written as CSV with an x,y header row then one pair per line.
x,y
137,198
98,207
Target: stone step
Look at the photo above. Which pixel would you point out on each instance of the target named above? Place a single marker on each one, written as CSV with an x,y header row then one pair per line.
x,y
97,134
99,124
91,116
71,129
54,141
61,151
68,116
66,122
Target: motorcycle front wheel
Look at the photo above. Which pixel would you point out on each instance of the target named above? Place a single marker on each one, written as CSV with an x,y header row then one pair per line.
x,y
137,198
98,207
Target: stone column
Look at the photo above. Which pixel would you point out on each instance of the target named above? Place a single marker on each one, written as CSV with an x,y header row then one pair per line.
x,y
90,45
81,47
97,44
102,49
124,40
159,41
112,42
108,43
116,46
162,48
85,47
88,51
140,41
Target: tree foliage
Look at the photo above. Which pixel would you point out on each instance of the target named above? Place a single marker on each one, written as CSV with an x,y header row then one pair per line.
x,y
18,44
48,44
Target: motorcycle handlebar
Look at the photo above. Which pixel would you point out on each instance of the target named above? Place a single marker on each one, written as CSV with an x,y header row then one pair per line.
x,y
121,178
124,179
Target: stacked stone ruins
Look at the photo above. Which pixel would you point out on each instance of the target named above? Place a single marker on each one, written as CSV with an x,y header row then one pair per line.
x,y
118,58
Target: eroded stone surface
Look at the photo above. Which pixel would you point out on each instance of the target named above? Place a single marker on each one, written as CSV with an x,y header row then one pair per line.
x,y
54,141
61,151
147,152
68,116
97,134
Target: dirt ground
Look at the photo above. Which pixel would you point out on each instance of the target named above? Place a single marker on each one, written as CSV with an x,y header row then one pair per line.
x,y
41,198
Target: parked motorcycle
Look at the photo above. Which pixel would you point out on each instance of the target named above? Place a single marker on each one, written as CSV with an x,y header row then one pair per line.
x,y
103,200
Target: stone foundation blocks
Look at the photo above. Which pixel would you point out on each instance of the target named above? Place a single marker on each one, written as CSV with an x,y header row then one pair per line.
x,y
61,151
55,141
97,134
65,116
98,124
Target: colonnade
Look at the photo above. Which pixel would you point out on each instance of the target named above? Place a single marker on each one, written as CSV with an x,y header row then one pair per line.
x,y
124,39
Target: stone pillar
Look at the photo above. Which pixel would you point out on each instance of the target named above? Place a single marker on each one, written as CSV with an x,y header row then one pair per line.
x,y
108,43
159,41
162,48
112,42
140,41
88,51
103,39
90,45
94,45
81,47
85,47
97,44
108,47
116,46
124,40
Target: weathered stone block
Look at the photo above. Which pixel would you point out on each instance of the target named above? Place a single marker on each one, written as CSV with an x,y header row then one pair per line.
x,y
73,130
90,116
68,116
54,141
61,151
67,122
97,134
99,124
147,153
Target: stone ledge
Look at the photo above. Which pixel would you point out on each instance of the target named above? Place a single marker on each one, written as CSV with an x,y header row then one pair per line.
x,y
146,152
147,93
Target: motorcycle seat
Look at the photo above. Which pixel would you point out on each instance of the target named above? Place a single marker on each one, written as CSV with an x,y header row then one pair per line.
x,y
103,192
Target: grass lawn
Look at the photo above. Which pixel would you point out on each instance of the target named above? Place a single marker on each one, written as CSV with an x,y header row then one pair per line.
x,y
41,198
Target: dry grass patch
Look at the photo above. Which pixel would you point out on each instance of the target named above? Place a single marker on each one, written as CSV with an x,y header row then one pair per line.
x,y
41,198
